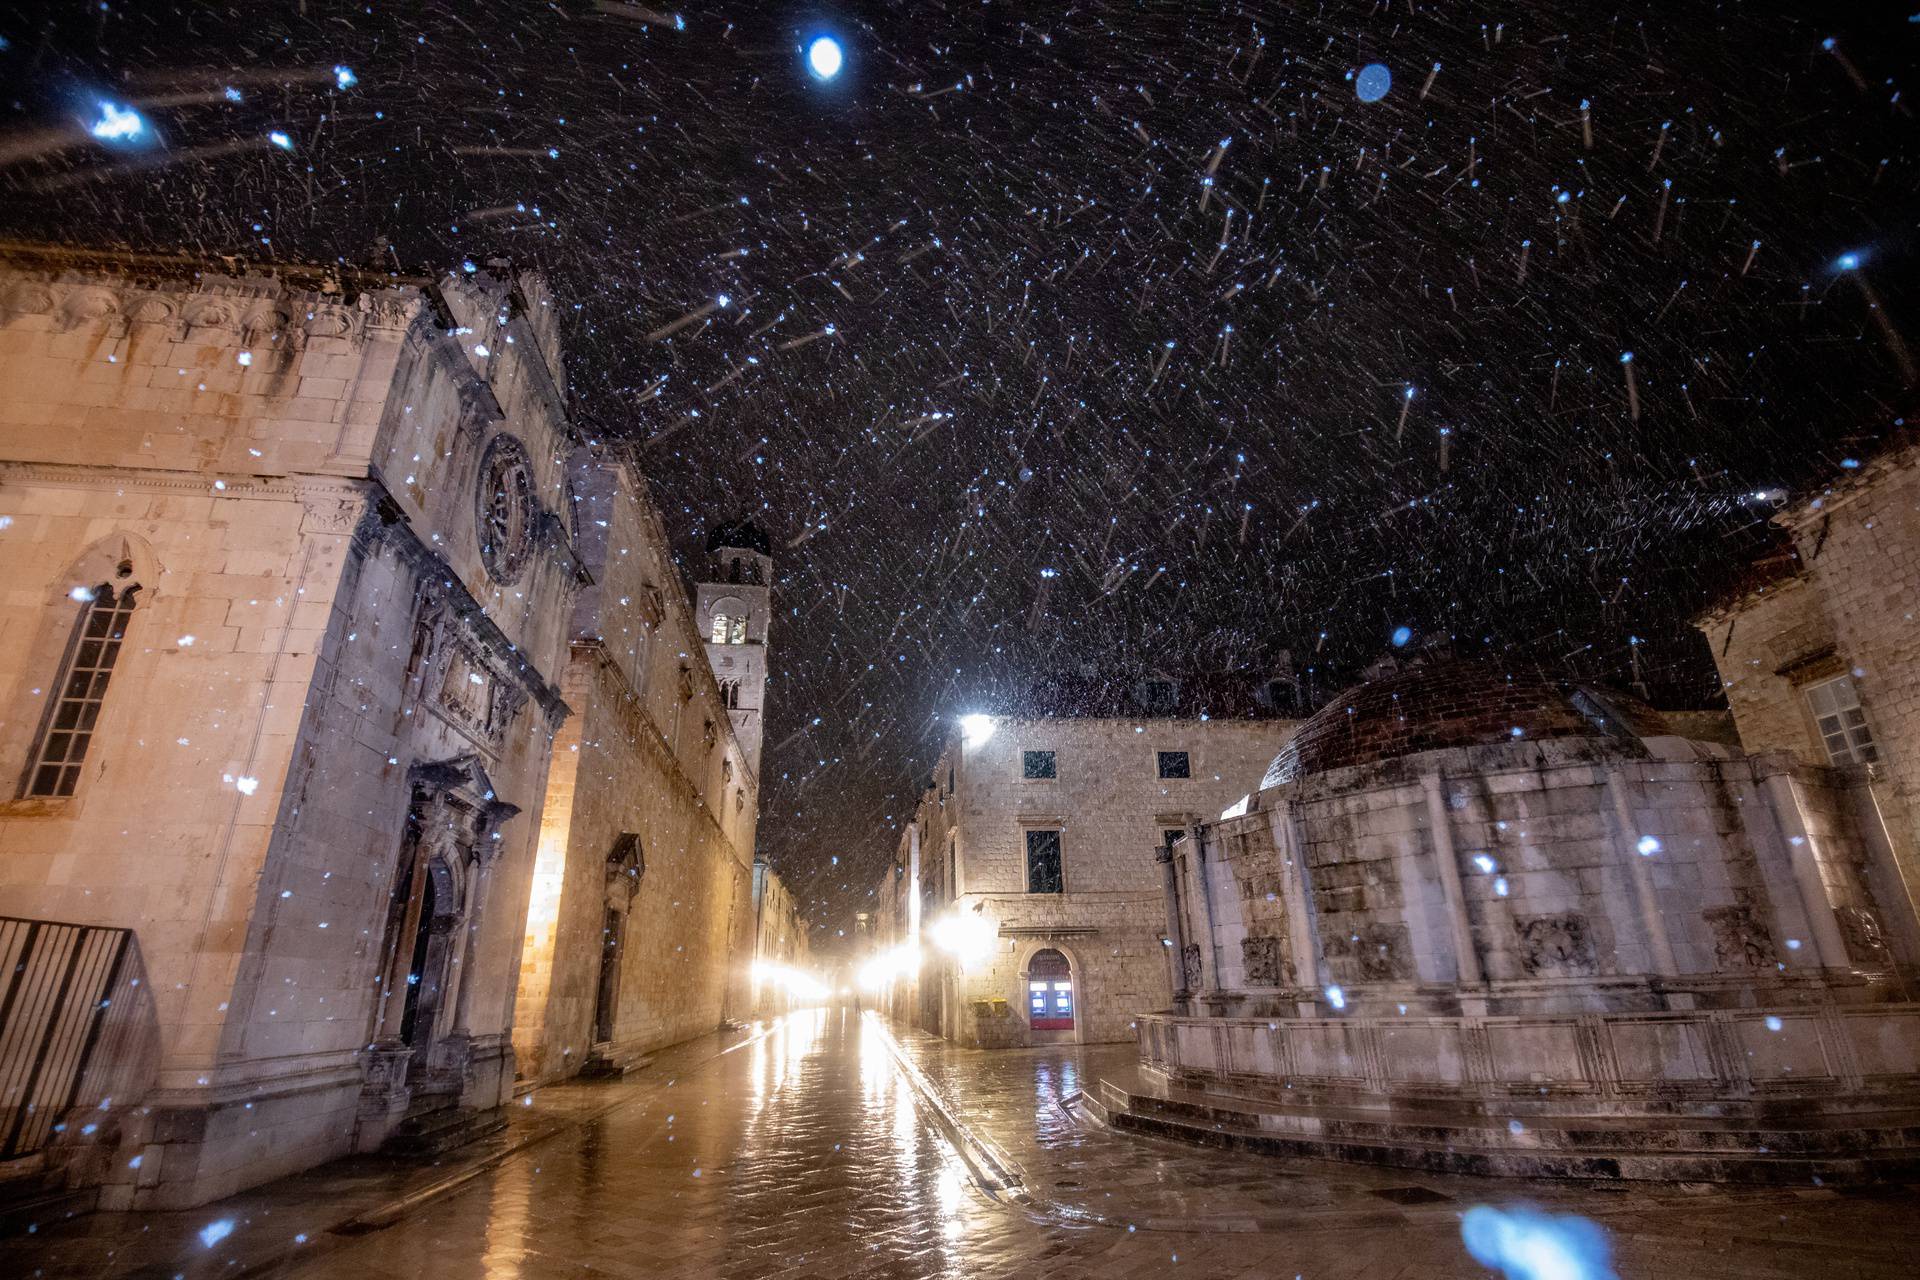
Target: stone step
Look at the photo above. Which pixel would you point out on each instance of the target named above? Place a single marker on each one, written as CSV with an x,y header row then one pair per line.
x,y
1858,1135
1566,1150
606,1061
36,1201
440,1129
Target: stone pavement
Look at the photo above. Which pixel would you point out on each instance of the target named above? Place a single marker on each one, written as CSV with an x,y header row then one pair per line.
x,y
808,1152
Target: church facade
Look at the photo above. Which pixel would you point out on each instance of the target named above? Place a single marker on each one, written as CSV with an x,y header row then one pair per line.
x,y
299,598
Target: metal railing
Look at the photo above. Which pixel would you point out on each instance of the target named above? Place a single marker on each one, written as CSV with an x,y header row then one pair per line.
x,y
77,1026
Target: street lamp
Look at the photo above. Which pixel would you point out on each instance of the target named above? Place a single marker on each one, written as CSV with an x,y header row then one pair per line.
x,y
824,58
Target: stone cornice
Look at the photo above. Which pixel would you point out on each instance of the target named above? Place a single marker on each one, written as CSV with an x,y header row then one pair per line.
x,y
301,487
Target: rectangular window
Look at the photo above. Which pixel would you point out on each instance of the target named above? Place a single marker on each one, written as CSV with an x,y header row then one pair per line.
x,y
1036,764
953,868
1842,721
83,686
1171,835
1043,862
1174,764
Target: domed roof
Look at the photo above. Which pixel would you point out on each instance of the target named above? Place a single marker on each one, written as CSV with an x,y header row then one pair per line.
x,y
1454,703
739,533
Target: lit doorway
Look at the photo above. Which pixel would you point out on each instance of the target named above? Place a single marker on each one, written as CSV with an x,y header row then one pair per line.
x,y
1049,992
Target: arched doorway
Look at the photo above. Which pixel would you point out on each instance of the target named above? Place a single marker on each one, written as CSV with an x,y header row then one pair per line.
x,y
1050,1002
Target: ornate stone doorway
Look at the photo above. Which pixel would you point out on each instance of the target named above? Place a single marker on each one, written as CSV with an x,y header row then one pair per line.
x,y
419,1042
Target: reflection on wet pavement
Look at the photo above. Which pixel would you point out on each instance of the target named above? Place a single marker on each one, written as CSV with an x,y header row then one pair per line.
x,y
796,1153
802,1153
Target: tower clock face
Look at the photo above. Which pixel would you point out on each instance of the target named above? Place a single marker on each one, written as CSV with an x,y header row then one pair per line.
x,y
504,509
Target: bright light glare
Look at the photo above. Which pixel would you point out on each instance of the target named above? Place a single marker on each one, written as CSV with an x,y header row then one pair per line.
x,y
823,57
975,730
1525,1244
1848,261
965,935
797,983
888,967
116,124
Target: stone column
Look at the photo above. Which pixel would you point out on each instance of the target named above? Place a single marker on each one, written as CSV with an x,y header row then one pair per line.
x,y
1885,873
1293,886
1784,798
482,873
1447,863
1203,901
1176,940
1658,943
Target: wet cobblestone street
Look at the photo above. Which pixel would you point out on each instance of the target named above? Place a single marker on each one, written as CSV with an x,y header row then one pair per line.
x,y
803,1154
811,1150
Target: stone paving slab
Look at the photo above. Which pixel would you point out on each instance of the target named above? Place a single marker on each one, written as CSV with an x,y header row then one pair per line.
x,y
1075,1169
275,1224
807,1154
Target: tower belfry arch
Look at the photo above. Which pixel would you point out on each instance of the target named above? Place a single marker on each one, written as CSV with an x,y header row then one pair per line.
x,y
734,612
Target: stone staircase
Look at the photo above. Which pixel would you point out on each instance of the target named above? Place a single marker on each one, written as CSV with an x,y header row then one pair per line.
x,y
1807,1149
608,1062
437,1124
33,1197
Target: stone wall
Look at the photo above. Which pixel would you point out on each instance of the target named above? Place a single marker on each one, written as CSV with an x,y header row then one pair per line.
x,y
1774,628
650,754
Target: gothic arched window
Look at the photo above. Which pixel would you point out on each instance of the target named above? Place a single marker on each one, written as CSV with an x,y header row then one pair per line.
x,y
74,711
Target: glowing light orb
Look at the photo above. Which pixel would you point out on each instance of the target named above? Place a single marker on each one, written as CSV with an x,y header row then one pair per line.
x,y
1373,82
1401,635
1525,1244
117,124
1846,261
824,57
280,140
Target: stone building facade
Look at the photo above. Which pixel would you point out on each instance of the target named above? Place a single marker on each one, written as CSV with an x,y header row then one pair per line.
x,y
782,947
1032,854
302,570
640,931
1565,937
1819,652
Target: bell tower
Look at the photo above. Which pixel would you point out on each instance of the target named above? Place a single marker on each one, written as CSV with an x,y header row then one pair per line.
x,y
733,608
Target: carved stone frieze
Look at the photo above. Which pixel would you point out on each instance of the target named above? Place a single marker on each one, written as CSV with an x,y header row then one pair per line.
x,y
393,309
88,306
1556,945
28,298
1266,962
1190,965
1741,940
1860,930
154,309
248,311
1374,952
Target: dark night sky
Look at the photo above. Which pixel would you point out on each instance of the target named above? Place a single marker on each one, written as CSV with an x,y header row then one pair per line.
x,y
1129,292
